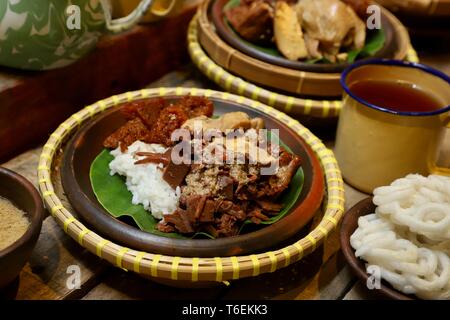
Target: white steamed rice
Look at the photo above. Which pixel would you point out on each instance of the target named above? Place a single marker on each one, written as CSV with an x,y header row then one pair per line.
x,y
145,181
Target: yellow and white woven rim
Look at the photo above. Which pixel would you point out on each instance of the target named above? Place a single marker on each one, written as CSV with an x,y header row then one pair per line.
x,y
231,83
180,268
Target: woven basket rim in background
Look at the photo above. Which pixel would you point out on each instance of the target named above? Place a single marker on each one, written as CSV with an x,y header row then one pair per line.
x,y
231,83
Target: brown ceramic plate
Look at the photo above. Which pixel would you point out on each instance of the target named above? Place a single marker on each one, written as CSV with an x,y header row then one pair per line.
x,y
24,195
87,144
349,225
226,32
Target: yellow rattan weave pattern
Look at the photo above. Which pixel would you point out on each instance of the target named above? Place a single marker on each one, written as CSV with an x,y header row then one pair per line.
x,y
180,268
234,84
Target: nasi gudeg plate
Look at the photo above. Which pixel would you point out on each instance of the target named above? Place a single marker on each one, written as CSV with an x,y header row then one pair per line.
x,y
208,191
135,180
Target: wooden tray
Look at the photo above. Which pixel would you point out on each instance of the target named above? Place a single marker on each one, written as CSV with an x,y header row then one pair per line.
x,y
193,271
315,84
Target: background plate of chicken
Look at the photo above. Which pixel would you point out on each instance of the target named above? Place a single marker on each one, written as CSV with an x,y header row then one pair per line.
x,y
120,175
309,35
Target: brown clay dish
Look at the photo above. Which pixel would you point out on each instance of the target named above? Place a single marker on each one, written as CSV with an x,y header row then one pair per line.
x,y
226,33
349,225
87,144
23,194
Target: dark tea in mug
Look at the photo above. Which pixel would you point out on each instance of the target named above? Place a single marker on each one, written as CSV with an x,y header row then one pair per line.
x,y
395,96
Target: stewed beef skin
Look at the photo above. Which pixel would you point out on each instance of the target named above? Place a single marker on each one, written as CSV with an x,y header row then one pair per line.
x,y
253,20
170,119
133,130
197,106
154,120
147,110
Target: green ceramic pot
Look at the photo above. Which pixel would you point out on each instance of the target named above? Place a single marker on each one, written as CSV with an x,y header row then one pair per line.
x,y
48,34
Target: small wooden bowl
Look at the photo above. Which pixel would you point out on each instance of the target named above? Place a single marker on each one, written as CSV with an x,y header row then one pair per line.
x,y
24,195
225,32
87,144
349,225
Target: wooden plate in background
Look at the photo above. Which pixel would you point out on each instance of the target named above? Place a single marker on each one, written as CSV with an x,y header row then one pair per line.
x,y
226,32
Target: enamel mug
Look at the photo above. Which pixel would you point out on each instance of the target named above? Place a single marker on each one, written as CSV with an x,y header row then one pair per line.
x,y
375,145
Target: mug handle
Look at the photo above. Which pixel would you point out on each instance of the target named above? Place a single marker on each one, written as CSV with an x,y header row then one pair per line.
x,y
441,170
164,11
129,21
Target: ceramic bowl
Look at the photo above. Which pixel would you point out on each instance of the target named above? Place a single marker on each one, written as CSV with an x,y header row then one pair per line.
x,y
349,225
24,195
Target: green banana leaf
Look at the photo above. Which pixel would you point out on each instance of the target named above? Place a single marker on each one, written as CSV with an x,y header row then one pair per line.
x,y
113,195
374,42
289,198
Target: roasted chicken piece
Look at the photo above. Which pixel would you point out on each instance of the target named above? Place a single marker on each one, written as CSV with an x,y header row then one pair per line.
x,y
329,25
288,32
253,20
227,121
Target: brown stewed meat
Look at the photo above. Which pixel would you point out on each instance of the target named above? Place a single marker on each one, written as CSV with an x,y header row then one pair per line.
x,y
220,198
170,119
154,120
253,20
132,131
147,110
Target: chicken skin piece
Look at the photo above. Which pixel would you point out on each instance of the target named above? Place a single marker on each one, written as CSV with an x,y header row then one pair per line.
x,y
288,32
330,25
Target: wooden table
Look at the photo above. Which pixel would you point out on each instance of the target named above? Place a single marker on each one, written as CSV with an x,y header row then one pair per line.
x,y
321,275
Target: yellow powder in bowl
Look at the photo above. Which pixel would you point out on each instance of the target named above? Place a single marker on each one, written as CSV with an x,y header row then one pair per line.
x,y
13,223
